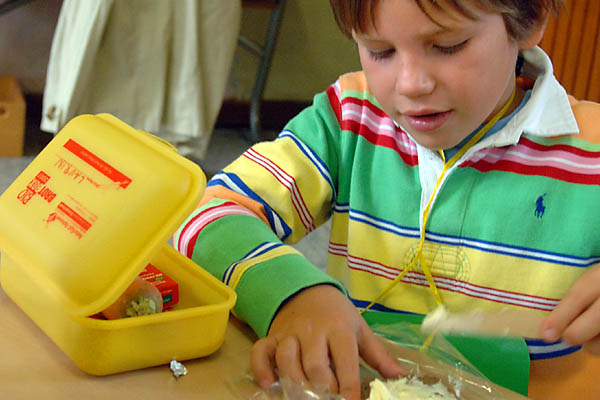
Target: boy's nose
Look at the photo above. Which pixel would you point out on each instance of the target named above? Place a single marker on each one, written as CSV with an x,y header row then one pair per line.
x,y
413,78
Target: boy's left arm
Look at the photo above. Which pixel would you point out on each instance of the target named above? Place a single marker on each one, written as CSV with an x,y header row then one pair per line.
x,y
576,319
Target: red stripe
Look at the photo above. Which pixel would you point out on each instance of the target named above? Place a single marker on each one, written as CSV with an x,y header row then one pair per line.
x,y
97,163
523,169
187,226
306,219
379,140
559,147
511,301
365,103
365,131
457,286
335,103
75,217
192,243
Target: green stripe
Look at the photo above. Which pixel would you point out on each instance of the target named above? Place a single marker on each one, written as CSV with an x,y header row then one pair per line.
x,y
264,286
212,203
318,128
494,206
381,167
573,141
267,285
226,240
360,95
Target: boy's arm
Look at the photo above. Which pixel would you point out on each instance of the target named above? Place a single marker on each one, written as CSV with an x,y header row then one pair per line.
x,y
275,193
228,239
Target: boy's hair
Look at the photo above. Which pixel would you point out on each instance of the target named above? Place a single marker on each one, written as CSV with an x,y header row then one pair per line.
x,y
519,15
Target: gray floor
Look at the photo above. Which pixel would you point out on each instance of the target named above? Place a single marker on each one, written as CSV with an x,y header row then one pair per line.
x,y
225,146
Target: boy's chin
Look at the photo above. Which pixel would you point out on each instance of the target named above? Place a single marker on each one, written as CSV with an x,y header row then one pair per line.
x,y
433,143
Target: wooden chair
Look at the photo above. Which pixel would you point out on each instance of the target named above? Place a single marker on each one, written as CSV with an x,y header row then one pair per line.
x,y
264,51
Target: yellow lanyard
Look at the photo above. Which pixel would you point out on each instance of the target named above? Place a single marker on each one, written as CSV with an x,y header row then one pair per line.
x,y
447,165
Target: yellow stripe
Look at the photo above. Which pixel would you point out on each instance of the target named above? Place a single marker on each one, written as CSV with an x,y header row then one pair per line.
x,y
242,267
286,155
466,265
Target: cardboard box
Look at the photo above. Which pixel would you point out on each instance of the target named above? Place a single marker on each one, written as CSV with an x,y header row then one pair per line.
x,y
12,118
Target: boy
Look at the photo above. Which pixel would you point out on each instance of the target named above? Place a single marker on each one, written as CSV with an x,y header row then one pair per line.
x,y
446,182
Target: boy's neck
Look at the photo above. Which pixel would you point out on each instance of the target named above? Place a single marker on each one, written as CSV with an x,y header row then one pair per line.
x,y
519,95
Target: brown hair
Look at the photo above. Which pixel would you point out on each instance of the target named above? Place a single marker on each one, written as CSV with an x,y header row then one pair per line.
x,y
519,15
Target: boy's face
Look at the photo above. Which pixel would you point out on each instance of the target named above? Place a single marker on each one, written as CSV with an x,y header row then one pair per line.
x,y
439,82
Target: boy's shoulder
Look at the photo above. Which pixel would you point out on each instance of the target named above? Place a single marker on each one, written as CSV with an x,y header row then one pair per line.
x,y
353,81
587,114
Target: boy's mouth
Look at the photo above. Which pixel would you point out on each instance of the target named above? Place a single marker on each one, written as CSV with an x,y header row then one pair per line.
x,y
426,121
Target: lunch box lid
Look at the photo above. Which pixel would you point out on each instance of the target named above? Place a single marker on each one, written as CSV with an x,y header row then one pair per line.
x,y
90,211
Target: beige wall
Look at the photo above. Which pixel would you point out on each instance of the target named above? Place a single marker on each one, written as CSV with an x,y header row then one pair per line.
x,y
25,39
310,53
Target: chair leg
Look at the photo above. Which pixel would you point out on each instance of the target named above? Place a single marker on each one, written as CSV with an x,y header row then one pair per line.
x,y
263,71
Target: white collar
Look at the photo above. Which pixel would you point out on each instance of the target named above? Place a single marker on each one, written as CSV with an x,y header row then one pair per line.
x,y
546,113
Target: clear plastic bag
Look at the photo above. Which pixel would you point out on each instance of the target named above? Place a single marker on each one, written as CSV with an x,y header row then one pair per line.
x,y
438,361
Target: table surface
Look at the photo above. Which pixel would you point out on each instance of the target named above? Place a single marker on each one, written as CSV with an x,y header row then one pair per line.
x,y
33,367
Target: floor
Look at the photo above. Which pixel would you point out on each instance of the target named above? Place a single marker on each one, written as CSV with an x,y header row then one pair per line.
x,y
225,146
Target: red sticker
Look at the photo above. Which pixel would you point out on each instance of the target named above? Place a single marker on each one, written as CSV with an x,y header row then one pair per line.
x,y
75,217
97,163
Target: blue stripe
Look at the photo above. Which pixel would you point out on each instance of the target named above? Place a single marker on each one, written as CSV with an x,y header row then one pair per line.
x,y
588,261
255,252
342,208
355,215
244,190
360,304
313,158
553,354
539,255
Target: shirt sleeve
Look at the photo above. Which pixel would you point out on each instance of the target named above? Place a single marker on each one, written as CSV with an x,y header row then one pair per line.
x,y
270,197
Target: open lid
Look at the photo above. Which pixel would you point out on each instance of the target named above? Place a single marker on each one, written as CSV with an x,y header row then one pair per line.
x,y
90,211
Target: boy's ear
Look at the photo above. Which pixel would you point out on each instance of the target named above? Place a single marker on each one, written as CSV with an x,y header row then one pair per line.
x,y
536,34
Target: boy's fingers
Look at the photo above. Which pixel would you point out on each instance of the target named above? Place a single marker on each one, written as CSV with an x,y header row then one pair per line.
x,y
344,353
288,360
262,358
316,365
585,327
373,351
579,297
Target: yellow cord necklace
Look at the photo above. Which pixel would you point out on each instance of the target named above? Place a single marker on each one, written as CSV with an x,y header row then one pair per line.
x,y
447,165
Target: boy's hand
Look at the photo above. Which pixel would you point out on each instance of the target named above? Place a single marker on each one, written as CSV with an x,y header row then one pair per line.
x,y
317,337
576,319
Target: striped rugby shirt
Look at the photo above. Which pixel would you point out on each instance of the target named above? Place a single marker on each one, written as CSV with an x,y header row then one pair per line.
x,y
514,224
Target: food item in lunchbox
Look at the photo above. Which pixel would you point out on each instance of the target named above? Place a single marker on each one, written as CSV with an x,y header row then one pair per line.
x,y
168,288
409,388
140,298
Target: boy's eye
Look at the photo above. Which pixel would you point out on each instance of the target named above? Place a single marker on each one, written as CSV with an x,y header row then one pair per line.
x,y
381,55
451,49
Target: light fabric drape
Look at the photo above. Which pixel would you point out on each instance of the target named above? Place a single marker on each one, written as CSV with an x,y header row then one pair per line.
x,y
159,65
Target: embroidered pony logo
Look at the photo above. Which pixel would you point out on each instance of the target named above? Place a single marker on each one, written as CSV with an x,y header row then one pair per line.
x,y
540,208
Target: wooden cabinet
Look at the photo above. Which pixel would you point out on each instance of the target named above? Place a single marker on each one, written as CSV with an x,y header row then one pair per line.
x,y
573,42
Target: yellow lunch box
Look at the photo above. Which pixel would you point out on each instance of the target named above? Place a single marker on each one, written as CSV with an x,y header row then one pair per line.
x,y
82,221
